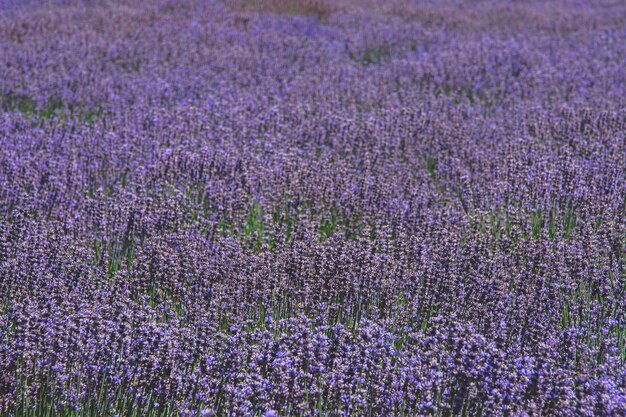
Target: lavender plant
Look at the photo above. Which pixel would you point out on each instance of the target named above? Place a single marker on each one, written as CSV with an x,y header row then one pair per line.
x,y
351,208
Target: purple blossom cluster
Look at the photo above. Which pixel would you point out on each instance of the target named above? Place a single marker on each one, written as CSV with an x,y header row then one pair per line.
x,y
312,208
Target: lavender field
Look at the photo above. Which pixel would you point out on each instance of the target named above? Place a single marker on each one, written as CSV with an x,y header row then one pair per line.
x,y
312,208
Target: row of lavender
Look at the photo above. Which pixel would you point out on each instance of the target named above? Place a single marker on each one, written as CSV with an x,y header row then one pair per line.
x,y
223,208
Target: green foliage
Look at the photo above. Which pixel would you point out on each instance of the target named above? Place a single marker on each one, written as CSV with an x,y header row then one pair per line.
x,y
431,167
373,56
107,400
569,222
118,251
286,216
537,222
328,224
254,227
52,109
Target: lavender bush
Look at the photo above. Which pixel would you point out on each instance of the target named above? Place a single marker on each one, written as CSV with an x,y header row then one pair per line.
x,y
312,208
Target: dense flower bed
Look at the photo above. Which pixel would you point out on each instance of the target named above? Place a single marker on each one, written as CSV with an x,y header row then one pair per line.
x,y
312,208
